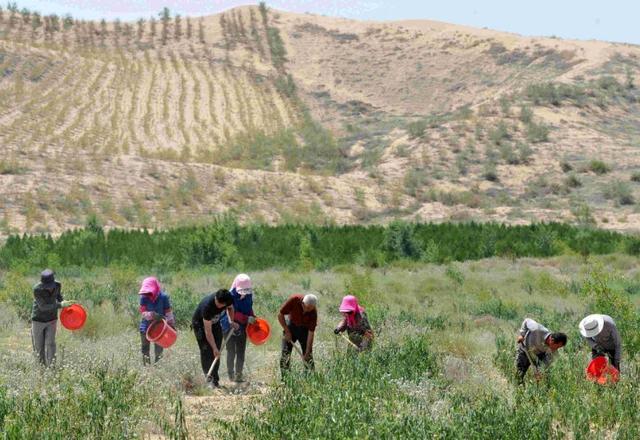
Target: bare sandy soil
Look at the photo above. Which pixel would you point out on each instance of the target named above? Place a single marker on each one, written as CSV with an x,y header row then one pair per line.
x,y
141,133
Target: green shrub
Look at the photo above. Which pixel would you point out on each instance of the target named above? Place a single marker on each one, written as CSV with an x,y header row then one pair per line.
x,y
599,167
584,215
105,320
415,181
276,45
620,192
610,84
524,153
526,115
537,133
417,129
402,150
599,288
183,302
555,94
635,177
632,247
490,173
361,284
508,154
498,309
17,291
566,166
461,164
573,181
11,166
320,151
499,134
505,105
455,274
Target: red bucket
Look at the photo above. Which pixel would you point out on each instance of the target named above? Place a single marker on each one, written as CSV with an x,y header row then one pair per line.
x,y
259,332
601,372
73,317
161,333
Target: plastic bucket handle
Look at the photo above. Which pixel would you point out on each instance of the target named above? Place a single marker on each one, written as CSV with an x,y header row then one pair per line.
x,y
161,333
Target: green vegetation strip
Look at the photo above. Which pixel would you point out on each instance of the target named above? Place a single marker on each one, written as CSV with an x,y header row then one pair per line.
x,y
227,245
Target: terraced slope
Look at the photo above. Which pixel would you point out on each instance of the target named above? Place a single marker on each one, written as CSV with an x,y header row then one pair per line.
x,y
283,117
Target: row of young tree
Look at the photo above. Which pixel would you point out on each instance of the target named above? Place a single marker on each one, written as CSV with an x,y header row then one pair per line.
x,y
227,245
35,25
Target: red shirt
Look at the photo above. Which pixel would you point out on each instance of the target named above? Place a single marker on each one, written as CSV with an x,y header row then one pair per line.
x,y
297,316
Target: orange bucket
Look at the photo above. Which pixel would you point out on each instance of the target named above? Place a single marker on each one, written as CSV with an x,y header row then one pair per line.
x,y
601,372
161,333
73,317
259,332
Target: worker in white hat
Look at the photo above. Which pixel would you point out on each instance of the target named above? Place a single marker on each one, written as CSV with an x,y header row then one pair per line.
x,y
602,335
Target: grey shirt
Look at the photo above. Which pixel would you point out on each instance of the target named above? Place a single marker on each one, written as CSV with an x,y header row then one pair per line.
x,y
535,336
608,339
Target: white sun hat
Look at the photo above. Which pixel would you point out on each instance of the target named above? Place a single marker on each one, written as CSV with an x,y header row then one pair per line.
x,y
591,326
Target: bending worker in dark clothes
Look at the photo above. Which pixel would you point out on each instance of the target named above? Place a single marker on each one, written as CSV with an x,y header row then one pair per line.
x,y
206,326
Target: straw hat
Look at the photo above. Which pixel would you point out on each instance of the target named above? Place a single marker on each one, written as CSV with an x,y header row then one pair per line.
x,y
591,326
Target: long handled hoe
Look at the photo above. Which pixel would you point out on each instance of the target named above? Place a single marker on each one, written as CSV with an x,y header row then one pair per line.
x,y
535,366
213,364
299,351
349,341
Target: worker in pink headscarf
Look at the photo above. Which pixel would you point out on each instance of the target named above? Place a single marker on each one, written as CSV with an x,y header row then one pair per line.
x,y
154,306
355,323
242,293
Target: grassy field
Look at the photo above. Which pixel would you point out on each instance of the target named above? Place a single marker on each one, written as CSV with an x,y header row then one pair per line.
x,y
442,365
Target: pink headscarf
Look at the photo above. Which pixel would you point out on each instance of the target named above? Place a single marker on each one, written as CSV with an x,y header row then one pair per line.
x,y
350,304
240,283
151,287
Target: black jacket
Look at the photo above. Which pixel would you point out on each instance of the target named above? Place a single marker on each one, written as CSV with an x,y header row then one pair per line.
x,y
46,301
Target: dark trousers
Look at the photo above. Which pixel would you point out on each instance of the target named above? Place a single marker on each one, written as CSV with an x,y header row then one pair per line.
x,y
146,350
236,347
523,364
206,352
610,354
298,334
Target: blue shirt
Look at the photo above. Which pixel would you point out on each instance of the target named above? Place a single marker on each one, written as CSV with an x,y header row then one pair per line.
x,y
162,306
243,308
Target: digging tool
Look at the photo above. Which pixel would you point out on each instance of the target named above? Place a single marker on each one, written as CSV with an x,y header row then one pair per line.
x,y
224,342
526,351
349,341
298,350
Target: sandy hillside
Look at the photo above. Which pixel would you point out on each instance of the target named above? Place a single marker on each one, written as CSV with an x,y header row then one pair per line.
x,y
283,117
